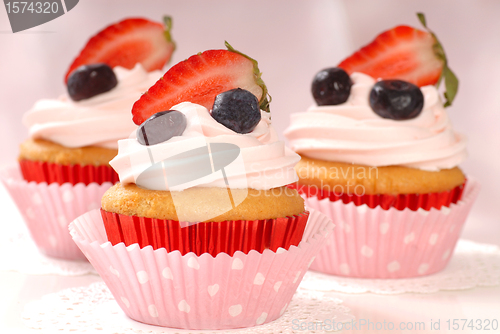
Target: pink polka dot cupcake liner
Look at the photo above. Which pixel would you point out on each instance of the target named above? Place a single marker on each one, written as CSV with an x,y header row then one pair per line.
x,y
377,243
48,209
169,289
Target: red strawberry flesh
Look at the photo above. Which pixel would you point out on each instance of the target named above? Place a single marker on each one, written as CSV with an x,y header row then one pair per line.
x,y
199,79
403,53
126,43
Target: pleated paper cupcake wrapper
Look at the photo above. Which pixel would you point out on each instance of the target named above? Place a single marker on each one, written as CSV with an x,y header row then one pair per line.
x,y
48,209
377,243
386,201
206,237
199,292
74,174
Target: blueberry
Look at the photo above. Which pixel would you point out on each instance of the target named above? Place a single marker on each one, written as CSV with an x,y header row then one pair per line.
x,y
396,99
90,80
161,127
331,86
237,109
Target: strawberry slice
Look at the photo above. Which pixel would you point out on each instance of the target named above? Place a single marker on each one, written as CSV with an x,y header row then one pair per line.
x,y
131,41
199,79
403,53
408,54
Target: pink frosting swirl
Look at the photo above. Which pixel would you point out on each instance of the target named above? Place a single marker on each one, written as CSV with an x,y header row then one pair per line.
x,y
265,161
98,121
352,133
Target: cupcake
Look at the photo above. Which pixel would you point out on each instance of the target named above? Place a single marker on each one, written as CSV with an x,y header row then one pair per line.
x,y
64,165
245,206
214,179
73,141
73,138
213,233
380,157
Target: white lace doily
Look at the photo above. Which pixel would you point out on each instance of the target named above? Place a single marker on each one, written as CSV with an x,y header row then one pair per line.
x,y
25,258
472,265
93,308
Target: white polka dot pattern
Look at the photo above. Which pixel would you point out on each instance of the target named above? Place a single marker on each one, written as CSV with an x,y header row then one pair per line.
x,y
280,250
347,228
366,251
68,196
167,273
184,306
213,289
384,227
259,279
153,311
52,240
297,275
446,254
393,266
125,301
48,210
237,264
362,208
223,292
93,205
283,309
344,269
114,271
142,277
132,247
75,308
390,243
30,213
261,319
445,210
433,238
422,269
63,221
37,199
193,263
423,212
235,310
472,265
409,238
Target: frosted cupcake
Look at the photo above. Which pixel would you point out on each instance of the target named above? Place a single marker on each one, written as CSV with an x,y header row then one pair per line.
x,y
73,141
206,190
73,138
245,205
65,162
380,157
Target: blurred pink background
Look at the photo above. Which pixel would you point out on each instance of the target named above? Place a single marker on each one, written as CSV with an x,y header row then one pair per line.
x,y
292,40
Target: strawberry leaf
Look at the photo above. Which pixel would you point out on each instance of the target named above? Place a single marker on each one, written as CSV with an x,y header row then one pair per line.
x,y
451,84
167,24
265,100
449,77
421,17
